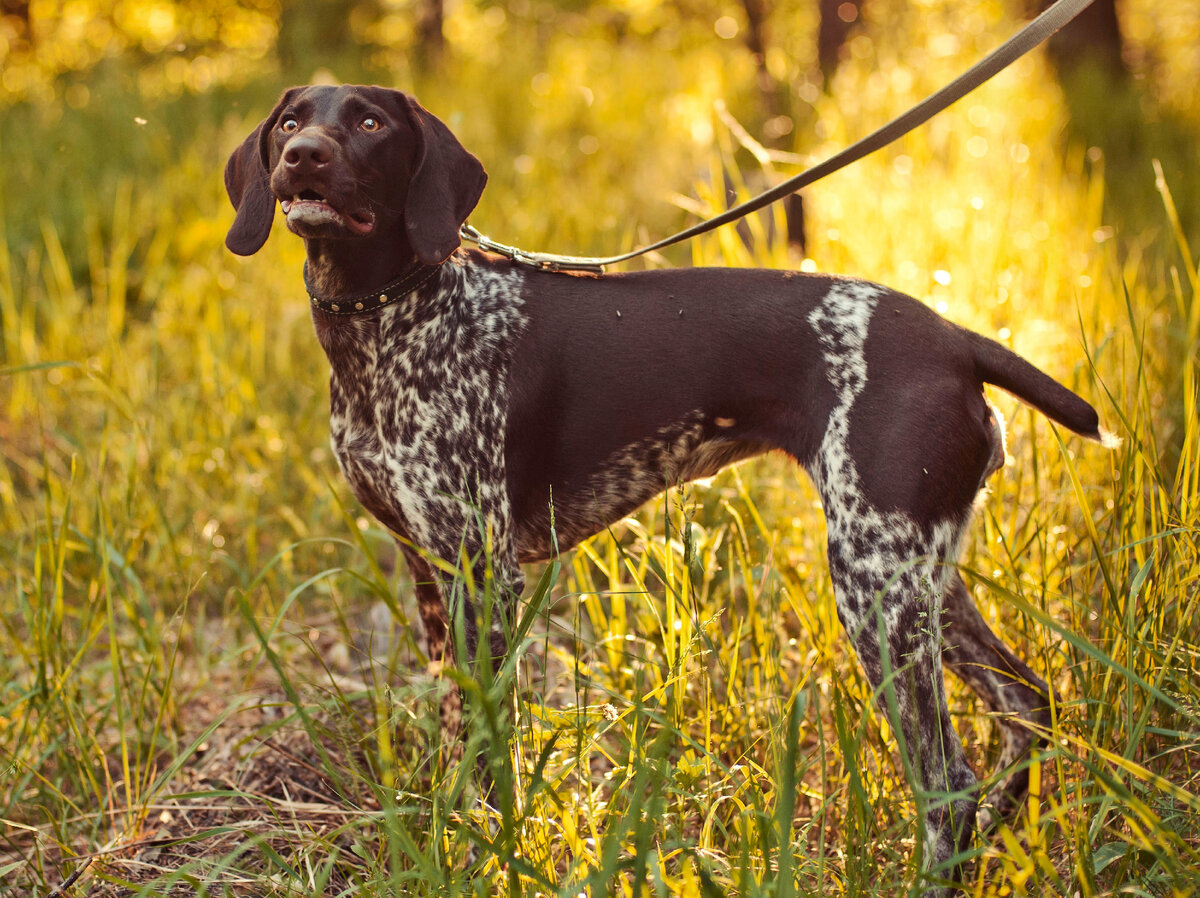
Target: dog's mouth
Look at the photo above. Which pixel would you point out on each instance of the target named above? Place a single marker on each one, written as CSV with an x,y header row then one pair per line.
x,y
308,209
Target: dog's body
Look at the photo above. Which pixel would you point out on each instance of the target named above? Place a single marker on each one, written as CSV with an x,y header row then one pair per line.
x,y
475,400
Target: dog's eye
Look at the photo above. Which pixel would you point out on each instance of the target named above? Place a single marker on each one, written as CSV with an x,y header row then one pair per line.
x,y
370,124
289,125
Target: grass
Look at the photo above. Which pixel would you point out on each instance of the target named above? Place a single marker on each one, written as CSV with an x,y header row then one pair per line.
x,y
190,595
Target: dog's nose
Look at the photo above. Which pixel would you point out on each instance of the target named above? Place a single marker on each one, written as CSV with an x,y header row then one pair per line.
x,y
305,153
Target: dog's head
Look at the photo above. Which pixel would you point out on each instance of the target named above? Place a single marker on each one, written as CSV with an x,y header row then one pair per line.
x,y
353,162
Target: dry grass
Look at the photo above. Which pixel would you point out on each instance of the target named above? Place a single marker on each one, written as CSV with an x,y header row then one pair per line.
x,y
196,694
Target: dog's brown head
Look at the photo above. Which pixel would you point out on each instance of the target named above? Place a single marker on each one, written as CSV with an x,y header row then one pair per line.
x,y
353,162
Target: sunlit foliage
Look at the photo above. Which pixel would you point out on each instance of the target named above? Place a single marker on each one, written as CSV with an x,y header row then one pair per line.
x,y
185,582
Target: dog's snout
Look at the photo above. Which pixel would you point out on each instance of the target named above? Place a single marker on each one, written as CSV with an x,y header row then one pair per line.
x,y
307,152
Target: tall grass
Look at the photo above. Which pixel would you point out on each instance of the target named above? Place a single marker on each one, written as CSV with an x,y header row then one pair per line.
x,y
196,696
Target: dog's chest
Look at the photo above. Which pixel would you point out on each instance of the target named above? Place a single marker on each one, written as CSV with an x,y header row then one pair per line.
x,y
418,402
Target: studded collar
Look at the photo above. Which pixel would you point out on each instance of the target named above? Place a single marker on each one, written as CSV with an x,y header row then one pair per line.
x,y
346,307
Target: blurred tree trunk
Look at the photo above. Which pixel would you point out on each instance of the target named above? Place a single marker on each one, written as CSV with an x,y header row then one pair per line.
x,y
430,49
16,16
775,99
769,89
17,9
1093,37
837,18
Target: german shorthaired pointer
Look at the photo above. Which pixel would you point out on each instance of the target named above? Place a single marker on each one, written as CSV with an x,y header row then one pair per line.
x,y
478,404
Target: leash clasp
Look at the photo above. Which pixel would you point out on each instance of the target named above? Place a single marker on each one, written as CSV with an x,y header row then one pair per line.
x,y
540,261
488,245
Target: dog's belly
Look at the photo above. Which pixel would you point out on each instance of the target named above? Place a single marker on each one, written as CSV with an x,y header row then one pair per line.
x,y
568,512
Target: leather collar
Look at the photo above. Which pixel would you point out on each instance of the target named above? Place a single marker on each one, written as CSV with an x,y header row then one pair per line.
x,y
346,307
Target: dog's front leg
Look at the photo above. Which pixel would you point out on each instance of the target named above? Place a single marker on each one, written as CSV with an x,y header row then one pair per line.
x,y
430,605
430,586
432,609
467,583
480,602
481,594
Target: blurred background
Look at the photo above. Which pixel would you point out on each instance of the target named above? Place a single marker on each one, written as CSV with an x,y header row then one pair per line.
x,y
564,97
185,580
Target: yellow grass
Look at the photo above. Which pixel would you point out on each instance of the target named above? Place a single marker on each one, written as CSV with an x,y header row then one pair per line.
x,y
186,584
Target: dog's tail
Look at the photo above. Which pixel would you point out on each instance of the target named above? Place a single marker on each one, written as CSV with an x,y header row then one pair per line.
x,y
997,365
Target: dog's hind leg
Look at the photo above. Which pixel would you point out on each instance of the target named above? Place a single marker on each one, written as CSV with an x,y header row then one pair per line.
x,y
889,578
1006,684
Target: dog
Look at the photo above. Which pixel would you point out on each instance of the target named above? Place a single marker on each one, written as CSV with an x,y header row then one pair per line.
x,y
479,404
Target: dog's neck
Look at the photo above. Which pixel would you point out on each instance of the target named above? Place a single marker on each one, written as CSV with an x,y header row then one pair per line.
x,y
346,278
341,269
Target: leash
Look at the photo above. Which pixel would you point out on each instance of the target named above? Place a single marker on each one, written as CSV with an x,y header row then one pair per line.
x,y
1033,34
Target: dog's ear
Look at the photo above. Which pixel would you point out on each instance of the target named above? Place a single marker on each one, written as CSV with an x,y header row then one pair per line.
x,y
248,183
445,185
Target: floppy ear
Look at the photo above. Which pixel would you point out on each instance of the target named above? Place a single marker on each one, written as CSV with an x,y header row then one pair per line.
x,y
446,183
248,184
